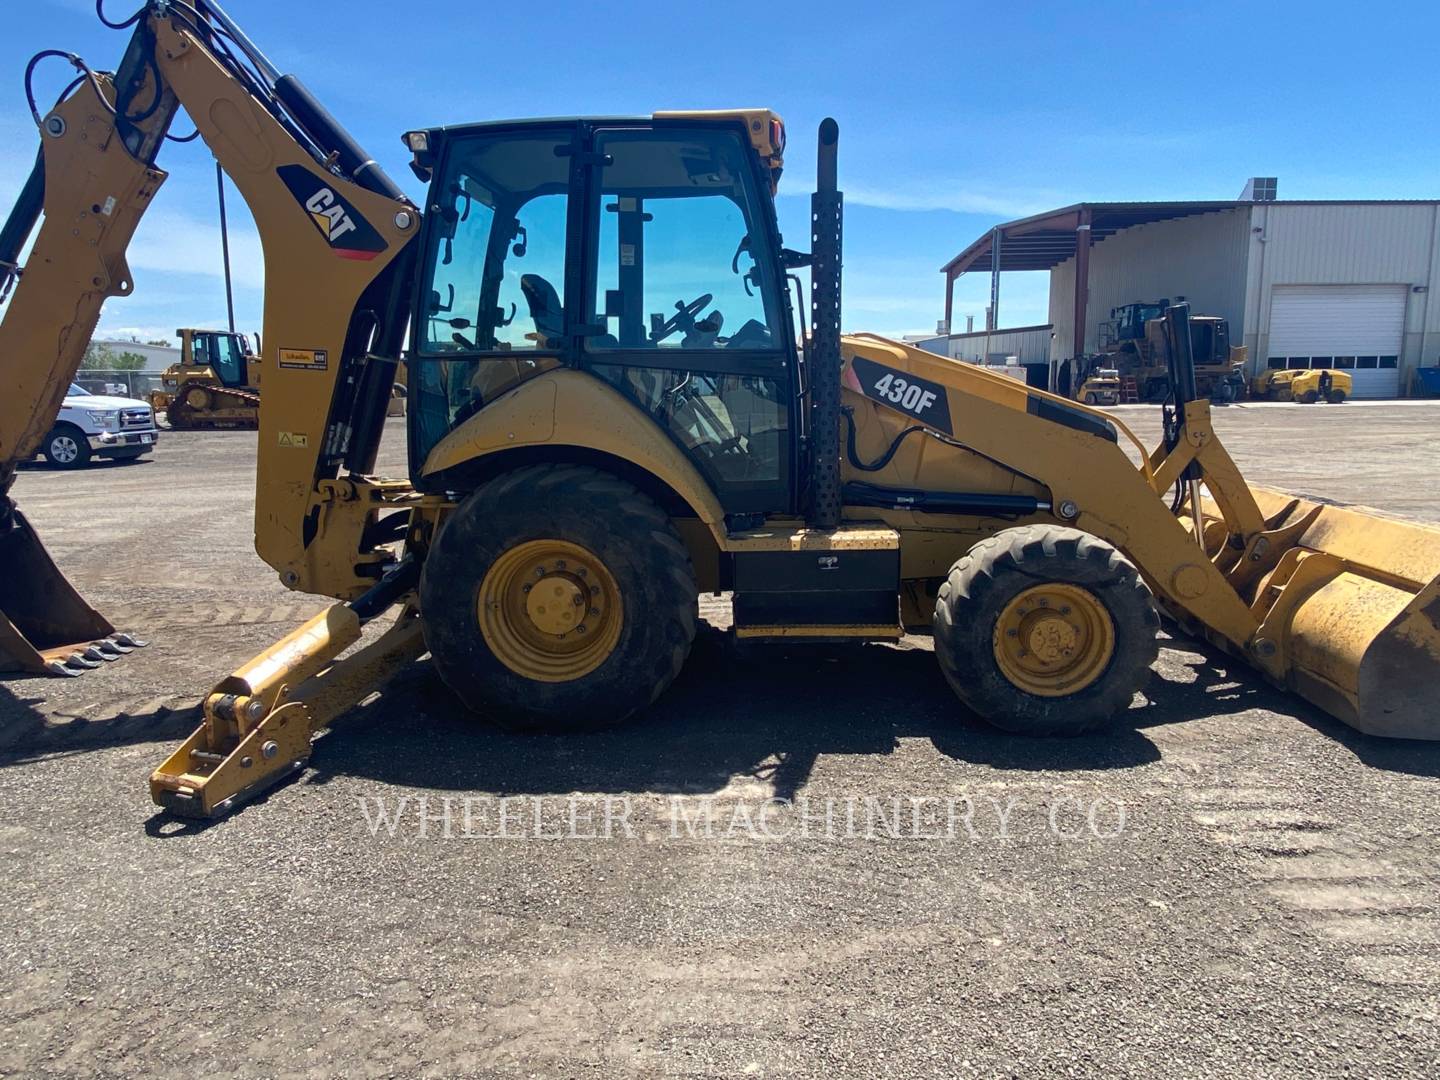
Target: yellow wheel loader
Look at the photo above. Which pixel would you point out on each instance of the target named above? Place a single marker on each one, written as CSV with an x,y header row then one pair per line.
x,y
216,384
611,410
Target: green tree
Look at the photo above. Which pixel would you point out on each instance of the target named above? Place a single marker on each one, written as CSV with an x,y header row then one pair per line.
x,y
103,358
98,358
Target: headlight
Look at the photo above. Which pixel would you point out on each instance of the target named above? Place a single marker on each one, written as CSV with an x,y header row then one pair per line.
x,y
103,419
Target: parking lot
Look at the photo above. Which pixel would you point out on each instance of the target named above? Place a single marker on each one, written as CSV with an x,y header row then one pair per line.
x,y
1230,882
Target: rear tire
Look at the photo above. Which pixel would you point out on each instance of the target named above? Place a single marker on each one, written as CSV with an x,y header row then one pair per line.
x,y
67,447
1310,397
983,623
570,531
1089,399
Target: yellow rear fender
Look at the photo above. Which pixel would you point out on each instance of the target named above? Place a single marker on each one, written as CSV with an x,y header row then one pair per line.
x,y
568,408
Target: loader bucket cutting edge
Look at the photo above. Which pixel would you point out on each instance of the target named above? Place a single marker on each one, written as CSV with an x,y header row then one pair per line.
x,y
1363,641
46,627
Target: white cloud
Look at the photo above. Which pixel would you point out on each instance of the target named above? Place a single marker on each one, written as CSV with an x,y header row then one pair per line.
x,y
174,242
956,196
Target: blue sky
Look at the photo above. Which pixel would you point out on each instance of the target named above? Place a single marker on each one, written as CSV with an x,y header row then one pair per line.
x,y
953,116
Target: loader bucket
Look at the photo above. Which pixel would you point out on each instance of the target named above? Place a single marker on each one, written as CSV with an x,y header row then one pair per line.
x,y
1355,621
45,626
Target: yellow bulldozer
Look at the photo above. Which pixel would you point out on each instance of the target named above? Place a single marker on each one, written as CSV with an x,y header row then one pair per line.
x,y
216,384
612,409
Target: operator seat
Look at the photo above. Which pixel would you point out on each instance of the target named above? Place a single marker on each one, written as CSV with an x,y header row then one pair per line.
x,y
546,311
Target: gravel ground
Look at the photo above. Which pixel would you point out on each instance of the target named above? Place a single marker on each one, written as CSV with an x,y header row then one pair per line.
x,y
1230,884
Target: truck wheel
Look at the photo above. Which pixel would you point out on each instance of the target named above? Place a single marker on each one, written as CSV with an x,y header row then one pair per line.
x,y
558,598
1045,630
1336,397
67,447
1309,397
1089,399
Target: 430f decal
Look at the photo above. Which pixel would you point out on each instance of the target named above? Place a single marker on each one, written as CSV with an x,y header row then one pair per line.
x,y
910,394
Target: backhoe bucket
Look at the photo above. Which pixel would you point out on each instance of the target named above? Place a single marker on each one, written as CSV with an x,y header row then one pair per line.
x,y
1351,616
45,626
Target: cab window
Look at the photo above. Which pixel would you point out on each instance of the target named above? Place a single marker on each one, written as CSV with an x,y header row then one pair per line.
x,y
492,300
682,260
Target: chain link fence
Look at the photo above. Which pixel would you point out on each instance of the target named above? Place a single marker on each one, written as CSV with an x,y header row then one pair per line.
x,y
131,384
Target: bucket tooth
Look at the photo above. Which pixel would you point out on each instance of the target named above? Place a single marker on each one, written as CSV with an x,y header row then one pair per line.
x,y
57,667
82,662
127,641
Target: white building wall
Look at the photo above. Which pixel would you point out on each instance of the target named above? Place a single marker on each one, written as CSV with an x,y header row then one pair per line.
x,y
1202,258
1030,344
157,357
1347,244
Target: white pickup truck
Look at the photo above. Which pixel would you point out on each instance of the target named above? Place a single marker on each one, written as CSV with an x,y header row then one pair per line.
x,y
93,425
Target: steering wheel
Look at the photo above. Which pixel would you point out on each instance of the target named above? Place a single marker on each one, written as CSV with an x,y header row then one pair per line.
x,y
683,319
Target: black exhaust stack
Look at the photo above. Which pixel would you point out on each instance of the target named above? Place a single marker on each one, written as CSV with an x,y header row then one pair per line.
x,y
823,352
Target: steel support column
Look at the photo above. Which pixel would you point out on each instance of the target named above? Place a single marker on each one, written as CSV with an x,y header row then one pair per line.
x,y
992,320
949,301
1082,284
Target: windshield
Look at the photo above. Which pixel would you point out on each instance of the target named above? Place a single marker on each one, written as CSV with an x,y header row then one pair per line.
x,y
76,390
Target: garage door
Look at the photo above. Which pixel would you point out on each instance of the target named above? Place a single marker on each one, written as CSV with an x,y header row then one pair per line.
x,y
1354,328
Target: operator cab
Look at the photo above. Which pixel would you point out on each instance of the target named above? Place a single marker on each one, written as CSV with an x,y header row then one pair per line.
x,y
642,251
223,353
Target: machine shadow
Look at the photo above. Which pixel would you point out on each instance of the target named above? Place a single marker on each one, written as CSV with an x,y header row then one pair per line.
x,y
27,733
728,716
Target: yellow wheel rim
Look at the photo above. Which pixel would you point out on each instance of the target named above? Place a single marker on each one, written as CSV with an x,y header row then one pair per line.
x,y
550,610
1054,639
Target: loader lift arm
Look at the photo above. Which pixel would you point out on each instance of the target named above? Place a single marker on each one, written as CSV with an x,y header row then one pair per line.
x,y
336,233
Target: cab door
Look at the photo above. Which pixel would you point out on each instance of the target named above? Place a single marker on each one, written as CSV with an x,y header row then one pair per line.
x,y
686,305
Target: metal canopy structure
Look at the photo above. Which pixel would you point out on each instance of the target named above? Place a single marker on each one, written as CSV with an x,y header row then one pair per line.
x,y
1044,241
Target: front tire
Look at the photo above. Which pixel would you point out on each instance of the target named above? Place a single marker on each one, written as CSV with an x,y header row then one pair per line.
x,y
1336,397
67,447
1044,630
558,598
1309,397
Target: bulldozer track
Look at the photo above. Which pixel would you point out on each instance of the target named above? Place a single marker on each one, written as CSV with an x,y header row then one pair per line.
x,y
182,417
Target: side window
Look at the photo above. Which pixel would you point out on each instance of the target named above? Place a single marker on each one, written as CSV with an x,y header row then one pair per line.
x,y
682,256
492,300
495,267
732,426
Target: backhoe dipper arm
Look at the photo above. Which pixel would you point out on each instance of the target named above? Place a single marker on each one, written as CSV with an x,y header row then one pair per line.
x,y
337,260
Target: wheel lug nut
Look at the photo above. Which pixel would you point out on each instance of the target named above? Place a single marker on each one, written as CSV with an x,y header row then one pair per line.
x,y
525,588
1065,610
594,590
1012,633
560,564
580,629
594,611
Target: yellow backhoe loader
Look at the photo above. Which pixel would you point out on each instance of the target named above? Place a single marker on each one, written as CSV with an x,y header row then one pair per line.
x,y
216,384
611,411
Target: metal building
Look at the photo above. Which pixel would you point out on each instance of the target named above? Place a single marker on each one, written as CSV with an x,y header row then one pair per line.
x,y
1303,283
